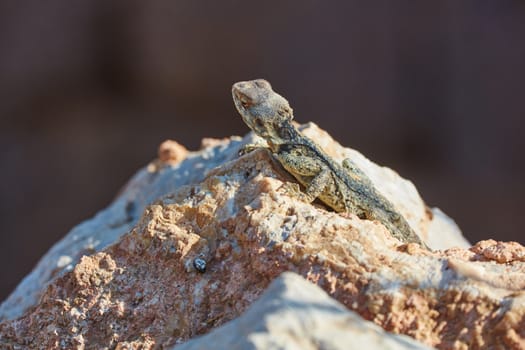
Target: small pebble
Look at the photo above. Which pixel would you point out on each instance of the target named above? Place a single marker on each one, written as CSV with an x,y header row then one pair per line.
x,y
199,264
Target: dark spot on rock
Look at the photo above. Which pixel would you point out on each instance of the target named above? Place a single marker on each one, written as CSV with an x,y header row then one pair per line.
x,y
429,213
130,211
199,264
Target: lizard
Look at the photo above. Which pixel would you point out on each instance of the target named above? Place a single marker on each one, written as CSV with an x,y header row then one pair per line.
x,y
343,187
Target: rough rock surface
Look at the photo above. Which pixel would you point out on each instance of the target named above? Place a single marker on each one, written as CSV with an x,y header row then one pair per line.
x,y
295,314
149,184
126,289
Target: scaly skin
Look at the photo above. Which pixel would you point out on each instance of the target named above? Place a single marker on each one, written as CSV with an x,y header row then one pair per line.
x,y
344,188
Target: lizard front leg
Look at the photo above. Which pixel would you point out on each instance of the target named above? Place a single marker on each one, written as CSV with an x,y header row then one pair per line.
x,y
318,183
250,147
312,174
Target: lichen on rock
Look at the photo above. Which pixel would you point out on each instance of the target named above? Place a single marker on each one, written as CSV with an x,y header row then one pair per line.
x,y
140,288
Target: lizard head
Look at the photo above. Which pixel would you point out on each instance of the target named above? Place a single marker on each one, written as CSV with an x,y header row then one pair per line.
x,y
266,112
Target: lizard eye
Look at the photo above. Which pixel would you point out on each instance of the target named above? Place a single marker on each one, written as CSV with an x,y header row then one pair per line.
x,y
259,123
245,101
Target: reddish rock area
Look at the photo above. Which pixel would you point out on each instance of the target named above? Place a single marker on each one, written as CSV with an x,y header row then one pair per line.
x,y
143,291
295,314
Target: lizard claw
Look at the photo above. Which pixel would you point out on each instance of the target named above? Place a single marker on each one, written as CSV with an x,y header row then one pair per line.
x,y
248,148
346,214
293,190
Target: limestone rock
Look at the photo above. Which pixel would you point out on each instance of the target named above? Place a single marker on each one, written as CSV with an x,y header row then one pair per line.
x,y
135,285
295,314
161,177
172,152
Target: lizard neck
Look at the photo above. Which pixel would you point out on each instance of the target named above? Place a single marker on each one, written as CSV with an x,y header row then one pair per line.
x,y
286,134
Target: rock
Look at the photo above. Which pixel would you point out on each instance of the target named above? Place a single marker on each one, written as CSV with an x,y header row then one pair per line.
x,y
172,152
149,184
444,233
137,285
295,314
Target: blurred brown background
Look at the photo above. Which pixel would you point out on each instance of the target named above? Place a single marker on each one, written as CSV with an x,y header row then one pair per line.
x,y
88,89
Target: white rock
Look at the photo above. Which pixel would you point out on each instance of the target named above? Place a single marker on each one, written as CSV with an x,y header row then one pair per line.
x,y
149,184
296,314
